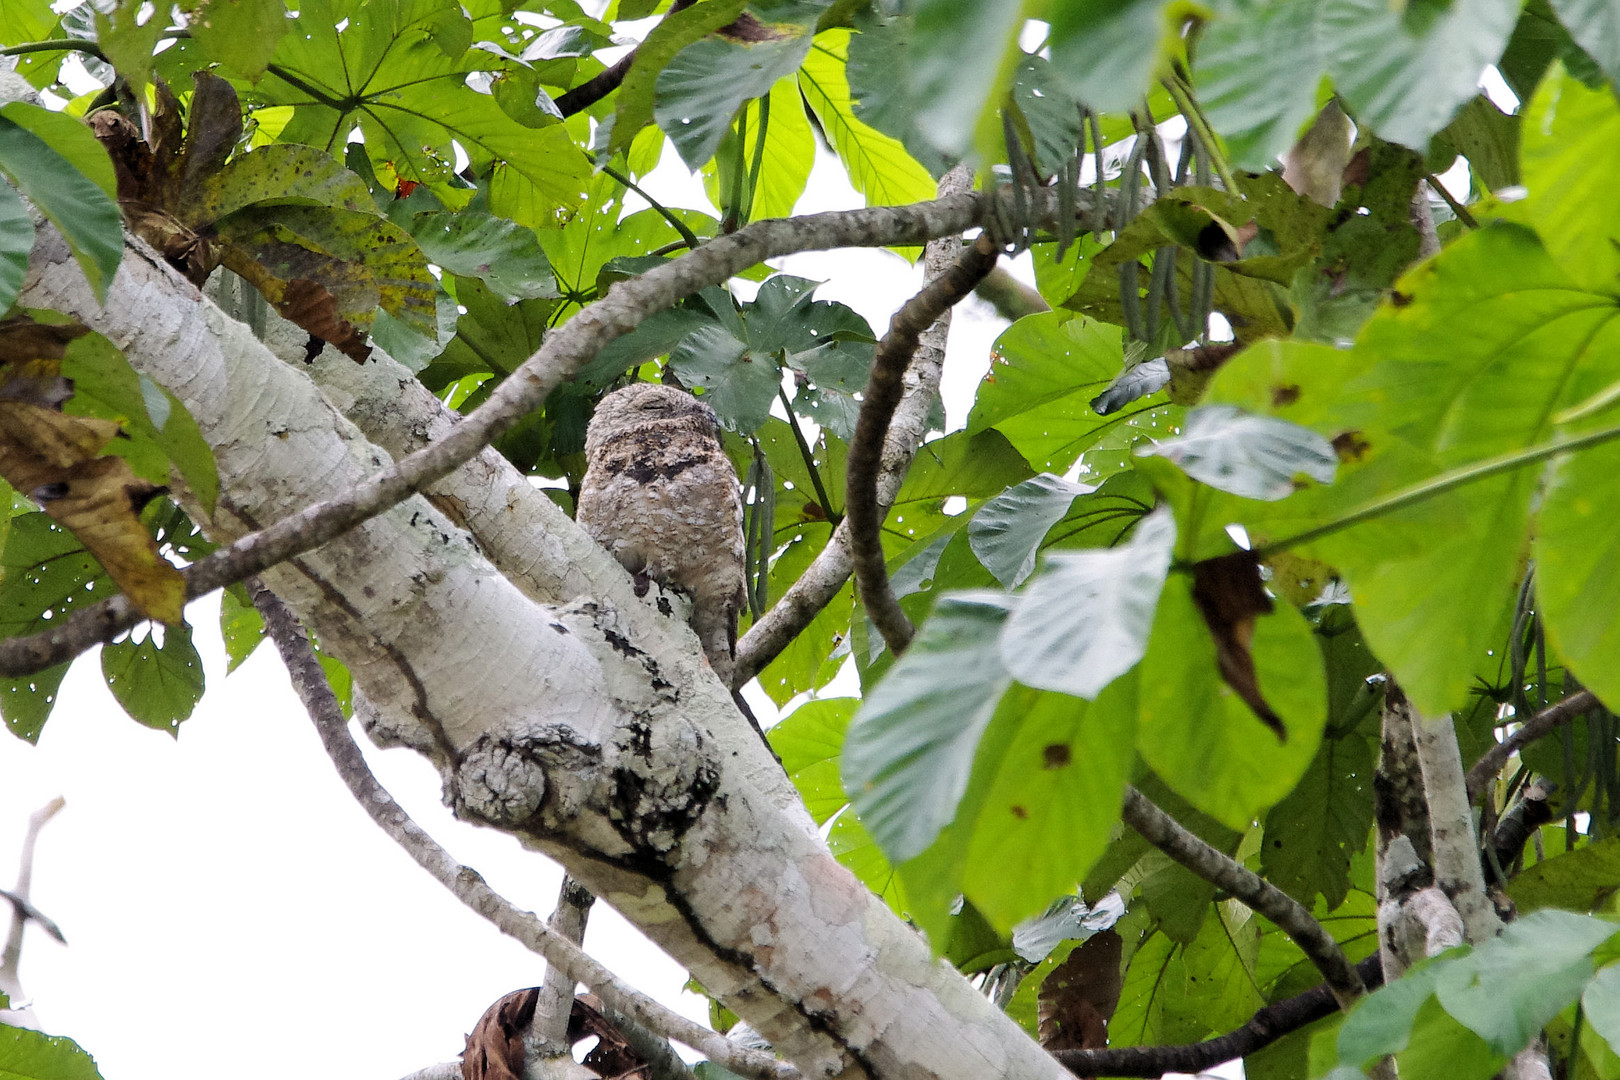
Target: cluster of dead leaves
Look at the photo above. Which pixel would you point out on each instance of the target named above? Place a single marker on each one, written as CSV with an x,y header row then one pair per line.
x,y
495,1047
57,460
289,219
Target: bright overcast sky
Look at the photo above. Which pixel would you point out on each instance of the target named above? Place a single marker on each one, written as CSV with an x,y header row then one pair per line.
x,y
231,911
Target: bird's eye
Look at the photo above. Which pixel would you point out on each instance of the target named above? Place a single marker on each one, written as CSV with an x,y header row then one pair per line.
x,y
652,404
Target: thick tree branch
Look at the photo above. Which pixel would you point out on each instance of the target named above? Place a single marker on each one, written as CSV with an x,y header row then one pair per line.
x,y
1168,835
563,353
883,390
1264,1028
1542,723
465,883
821,580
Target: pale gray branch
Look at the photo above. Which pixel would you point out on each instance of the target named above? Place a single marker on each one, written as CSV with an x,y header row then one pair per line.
x,y
465,883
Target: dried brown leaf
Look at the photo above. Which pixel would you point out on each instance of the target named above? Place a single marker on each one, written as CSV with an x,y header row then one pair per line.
x,y
1079,996
495,1047
1230,595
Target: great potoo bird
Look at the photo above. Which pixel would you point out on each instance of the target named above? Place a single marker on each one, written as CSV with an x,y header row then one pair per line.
x,y
661,495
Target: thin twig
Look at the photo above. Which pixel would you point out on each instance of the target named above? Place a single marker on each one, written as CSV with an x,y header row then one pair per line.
x,y
1457,208
1263,1028
1169,836
809,460
1542,723
465,883
884,387
688,237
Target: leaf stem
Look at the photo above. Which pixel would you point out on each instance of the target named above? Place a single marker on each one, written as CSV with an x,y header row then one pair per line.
x,y
80,45
1443,483
809,461
1457,208
687,235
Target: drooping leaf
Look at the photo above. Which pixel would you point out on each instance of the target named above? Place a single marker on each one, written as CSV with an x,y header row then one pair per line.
x,y
911,746
77,204
16,242
240,626
1007,531
57,460
48,576
706,82
1253,456
1084,621
963,57
157,684
1199,735
1595,26
879,166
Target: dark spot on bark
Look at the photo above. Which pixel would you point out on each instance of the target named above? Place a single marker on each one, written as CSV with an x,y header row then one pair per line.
x,y
665,607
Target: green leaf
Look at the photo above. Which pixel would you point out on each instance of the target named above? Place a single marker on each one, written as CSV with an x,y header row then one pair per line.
x,y
1258,105
76,204
1200,737
808,740
16,242
1084,621
33,1055
962,59
706,82
1381,1022
1571,139
1108,51
1579,880
158,685
1050,803
1403,69
399,69
633,109
1601,1000
1257,457
1489,139
1509,988
738,383
1442,1047
48,576
240,626
1007,531
502,254
1595,26
68,136
1044,371
879,166
1407,71
911,746
158,429
1312,833
241,35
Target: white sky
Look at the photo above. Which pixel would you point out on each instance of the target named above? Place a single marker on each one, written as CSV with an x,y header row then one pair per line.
x,y
231,911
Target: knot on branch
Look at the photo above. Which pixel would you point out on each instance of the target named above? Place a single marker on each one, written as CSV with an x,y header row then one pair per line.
x,y
665,778
498,782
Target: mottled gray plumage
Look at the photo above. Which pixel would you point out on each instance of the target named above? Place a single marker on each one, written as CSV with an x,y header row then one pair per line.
x,y
661,495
